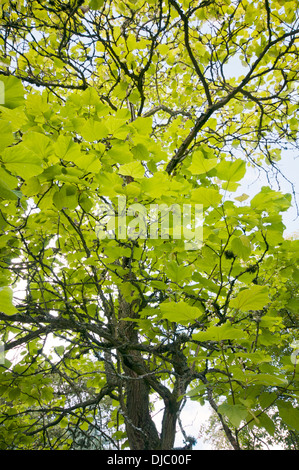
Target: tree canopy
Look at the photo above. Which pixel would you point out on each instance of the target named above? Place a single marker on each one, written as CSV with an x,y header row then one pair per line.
x,y
114,118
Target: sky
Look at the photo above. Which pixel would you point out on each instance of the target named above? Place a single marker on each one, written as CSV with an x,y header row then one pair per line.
x,y
193,417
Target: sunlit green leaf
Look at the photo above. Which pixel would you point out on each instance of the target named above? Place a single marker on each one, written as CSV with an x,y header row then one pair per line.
x,y
6,297
7,137
93,130
235,413
206,196
179,311
268,199
290,416
231,171
253,298
134,169
220,333
21,161
13,91
200,164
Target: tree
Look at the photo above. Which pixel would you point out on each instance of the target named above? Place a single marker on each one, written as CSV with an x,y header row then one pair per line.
x,y
120,121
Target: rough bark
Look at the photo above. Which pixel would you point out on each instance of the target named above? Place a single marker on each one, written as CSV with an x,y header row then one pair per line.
x,y
141,430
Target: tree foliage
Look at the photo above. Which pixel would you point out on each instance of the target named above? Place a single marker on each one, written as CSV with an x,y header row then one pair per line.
x,y
151,102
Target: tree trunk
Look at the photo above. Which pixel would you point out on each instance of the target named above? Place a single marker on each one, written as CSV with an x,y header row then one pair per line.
x,y
141,430
138,382
169,424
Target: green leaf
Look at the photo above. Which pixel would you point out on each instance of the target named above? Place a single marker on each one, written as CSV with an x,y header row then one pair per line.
x,y
64,423
7,185
93,131
6,305
200,164
143,125
266,422
14,393
268,322
241,247
129,292
206,196
268,199
86,203
231,171
59,350
155,186
13,91
220,333
116,126
120,153
268,379
235,413
21,161
134,97
179,312
6,192
134,169
66,197
254,298
267,398
242,198
296,275
31,187
66,149
290,416
196,393
38,144
140,152
177,273
96,4
89,163
7,137
84,426
293,305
